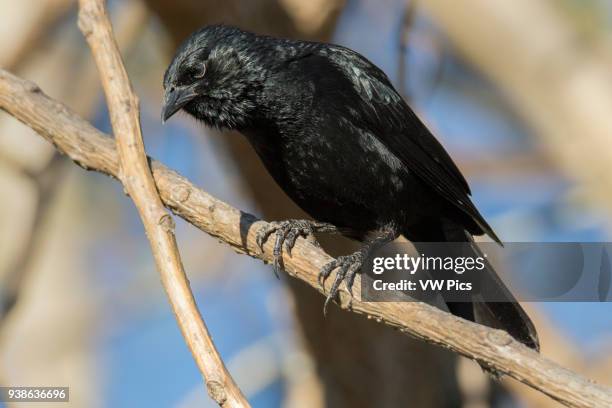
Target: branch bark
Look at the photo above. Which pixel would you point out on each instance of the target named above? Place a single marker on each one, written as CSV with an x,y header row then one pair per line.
x,y
134,173
91,149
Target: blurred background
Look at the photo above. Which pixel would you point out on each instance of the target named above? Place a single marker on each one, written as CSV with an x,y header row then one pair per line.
x,y
519,92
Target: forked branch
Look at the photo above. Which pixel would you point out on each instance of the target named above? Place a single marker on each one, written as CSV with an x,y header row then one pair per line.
x,y
94,150
135,174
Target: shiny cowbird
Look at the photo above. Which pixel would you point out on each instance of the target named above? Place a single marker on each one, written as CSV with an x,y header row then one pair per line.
x,y
342,143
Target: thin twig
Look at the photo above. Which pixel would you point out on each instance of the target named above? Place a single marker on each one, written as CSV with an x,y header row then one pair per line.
x,y
159,226
92,149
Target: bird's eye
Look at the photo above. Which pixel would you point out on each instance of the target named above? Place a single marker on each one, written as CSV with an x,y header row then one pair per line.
x,y
191,74
199,74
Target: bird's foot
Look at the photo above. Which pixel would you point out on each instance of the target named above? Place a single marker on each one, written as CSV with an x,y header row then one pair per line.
x,y
347,266
287,232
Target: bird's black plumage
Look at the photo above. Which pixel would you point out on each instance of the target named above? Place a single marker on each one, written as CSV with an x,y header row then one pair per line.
x,y
341,142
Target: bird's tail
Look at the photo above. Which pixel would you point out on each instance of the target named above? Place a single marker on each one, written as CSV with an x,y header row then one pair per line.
x,y
506,314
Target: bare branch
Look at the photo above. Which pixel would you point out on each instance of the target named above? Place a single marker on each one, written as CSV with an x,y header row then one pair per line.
x,y
93,150
137,179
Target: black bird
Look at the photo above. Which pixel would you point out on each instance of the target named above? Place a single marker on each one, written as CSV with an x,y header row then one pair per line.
x,y
342,143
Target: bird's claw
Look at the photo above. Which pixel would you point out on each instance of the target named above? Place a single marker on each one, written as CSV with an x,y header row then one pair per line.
x,y
287,232
347,266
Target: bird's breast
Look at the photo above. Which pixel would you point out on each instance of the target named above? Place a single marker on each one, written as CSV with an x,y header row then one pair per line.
x,y
321,170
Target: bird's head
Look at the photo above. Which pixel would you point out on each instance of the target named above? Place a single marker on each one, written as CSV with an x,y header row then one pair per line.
x,y
215,76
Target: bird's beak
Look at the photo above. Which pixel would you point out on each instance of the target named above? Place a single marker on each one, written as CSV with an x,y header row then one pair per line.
x,y
175,99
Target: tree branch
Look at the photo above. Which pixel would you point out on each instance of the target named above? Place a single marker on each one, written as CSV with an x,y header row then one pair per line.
x,y
134,173
93,150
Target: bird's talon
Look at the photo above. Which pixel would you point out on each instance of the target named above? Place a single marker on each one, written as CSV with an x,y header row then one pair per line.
x,y
276,268
287,233
326,271
264,233
351,274
290,240
327,300
347,266
321,280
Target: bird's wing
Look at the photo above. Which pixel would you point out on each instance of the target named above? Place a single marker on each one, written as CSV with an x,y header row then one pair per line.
x,y
394,123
